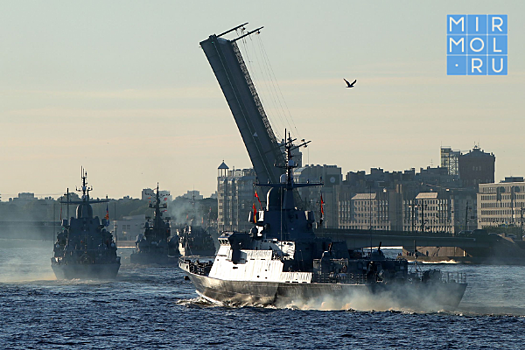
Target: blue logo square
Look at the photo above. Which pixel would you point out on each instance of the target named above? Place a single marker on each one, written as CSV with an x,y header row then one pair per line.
x,y
477,24
456,24
477,45
497,65
456,44
477,65
457,65
497,24
497,45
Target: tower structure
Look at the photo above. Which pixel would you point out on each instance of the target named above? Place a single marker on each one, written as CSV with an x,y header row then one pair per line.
x,y
450,160
476,167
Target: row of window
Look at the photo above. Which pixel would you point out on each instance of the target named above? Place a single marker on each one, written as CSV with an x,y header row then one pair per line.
x,y
503,205
499,212
500,220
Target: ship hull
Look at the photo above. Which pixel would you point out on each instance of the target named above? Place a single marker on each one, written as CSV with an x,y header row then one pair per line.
x,y
235,292
85,271
433,296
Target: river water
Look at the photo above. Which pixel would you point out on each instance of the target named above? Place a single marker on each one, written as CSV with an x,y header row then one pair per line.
x,y
155,308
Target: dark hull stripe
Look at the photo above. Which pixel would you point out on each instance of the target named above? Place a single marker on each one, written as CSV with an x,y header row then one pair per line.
x,y
85,271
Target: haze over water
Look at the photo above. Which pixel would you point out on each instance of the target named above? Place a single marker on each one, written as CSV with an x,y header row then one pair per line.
x,y
154,308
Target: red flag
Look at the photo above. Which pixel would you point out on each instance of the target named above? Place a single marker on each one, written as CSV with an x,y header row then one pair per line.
x,y
254,214
322,205
257,196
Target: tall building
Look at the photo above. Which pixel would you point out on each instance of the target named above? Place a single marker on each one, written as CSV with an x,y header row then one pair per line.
x,y
236,197
501,204
476,167
450,160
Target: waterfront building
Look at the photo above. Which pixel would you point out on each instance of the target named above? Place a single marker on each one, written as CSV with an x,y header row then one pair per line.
x,y
501,204
476,167
429,212
235,197
370,211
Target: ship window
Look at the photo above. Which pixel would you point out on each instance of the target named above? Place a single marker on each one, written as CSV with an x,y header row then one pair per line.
x,y
235,267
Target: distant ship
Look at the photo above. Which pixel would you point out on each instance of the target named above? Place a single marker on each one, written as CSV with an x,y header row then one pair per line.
x,y
195,240
281,262
84,248
156,246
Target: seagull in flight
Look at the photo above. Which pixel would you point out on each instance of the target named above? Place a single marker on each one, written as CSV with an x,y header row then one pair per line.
x,y
348,84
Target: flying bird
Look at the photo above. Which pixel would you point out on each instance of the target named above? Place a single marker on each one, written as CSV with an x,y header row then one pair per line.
x,y
348,84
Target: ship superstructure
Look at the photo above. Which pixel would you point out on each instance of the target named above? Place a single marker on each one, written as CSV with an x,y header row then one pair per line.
x,y
195,240
84,248
156,246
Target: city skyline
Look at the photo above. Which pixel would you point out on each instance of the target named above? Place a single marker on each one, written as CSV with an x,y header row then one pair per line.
x,y
125,91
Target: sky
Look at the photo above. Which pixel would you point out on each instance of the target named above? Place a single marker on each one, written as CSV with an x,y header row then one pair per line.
x,y
123,89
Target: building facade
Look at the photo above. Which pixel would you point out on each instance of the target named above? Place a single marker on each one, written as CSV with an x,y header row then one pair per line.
x,y
450,160
476,167
501,204
429,212
235,197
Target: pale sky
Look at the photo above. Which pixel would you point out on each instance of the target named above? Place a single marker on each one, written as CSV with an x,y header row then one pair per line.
x,y
123,89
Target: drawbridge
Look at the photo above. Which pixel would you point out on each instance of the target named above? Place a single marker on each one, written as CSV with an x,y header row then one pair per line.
x,y
237,86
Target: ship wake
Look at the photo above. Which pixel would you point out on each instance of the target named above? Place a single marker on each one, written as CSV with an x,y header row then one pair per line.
x,y
366,301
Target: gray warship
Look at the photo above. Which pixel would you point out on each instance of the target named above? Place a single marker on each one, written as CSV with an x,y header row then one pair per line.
x,y
281,262
84,249
195,240
156,246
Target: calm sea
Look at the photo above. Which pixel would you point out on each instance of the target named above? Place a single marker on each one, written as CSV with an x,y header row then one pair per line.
x,y
155,308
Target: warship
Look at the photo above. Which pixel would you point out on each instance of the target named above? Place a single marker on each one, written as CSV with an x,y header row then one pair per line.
x,y
195,240
84,249
281,262
156,246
